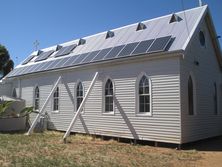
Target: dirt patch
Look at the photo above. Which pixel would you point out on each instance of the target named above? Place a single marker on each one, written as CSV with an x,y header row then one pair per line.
x,y
210,151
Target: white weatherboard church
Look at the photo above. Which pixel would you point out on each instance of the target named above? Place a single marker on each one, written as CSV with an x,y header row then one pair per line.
x,y
158,80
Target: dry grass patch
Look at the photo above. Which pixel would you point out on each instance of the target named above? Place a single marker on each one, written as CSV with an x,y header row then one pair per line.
x,y
47,149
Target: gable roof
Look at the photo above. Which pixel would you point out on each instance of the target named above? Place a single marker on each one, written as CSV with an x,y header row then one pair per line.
x,y
159,35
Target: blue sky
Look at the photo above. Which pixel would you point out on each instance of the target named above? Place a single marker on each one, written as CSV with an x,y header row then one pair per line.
x,y
56,21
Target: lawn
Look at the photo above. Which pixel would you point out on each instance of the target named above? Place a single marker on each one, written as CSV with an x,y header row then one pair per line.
x,y
47,149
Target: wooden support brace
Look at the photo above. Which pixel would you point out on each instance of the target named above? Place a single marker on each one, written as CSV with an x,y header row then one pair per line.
x,y
42,110
80,107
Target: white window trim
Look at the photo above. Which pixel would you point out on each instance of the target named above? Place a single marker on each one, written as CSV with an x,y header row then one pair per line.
x,y
138,113
14,90
204,33
56,111
75,95
103,97
191,74
34,97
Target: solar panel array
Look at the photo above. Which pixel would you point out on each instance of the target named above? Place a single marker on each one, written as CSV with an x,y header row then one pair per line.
x,y
65,50
28,59
131,49
44,55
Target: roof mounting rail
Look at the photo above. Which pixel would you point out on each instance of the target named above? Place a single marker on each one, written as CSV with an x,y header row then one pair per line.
x,y
81,41
140,26
175,18
58,47
109,34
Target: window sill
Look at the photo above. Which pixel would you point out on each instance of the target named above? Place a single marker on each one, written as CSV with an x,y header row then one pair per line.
x,y
108,113
55,112
148,114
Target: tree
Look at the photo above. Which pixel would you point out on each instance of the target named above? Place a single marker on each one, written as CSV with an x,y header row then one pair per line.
x,y
6,64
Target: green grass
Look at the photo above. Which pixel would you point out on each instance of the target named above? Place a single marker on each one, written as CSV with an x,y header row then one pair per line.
x,y
47,149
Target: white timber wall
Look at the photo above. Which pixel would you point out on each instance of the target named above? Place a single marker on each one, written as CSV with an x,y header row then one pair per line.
x,y
5,89
204,123
162,126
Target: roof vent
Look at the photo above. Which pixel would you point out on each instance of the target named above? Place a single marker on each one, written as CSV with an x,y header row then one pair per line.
x,y
39,52
140,26
109,34
175,18
81,41
58,47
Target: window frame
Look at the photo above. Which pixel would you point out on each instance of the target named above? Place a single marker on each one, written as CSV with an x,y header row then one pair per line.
x,y
138,113
53,98
191,75
202,36
14,92
75,91
34,98
104,96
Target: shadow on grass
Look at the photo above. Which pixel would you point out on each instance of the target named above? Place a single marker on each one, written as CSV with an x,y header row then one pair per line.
x,y
13,132
210,144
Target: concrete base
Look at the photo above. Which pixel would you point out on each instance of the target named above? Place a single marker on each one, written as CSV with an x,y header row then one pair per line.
x,y
12,124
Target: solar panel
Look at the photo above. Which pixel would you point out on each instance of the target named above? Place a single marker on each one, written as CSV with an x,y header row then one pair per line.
x,y
41,67
128,49
14,72
143,47
38,67
28,59
53,64
34,68
101,54
44,64
17,71
70,61
44,55
147,46
90,56
47,65
65,50
80,58
24,70
60,64
159,44
29,70
114,52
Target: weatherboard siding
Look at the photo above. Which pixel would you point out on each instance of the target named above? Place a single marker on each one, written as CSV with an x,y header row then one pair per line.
x,y
6,89
163,125
204,123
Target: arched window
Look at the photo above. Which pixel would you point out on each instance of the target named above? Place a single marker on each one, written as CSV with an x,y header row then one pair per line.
x,y
144,95
14,94
36,98
79,94
56,100
109,96
190,96
215,99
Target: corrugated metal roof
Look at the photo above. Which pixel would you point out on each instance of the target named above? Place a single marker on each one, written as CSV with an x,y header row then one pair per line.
x,y
155,28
